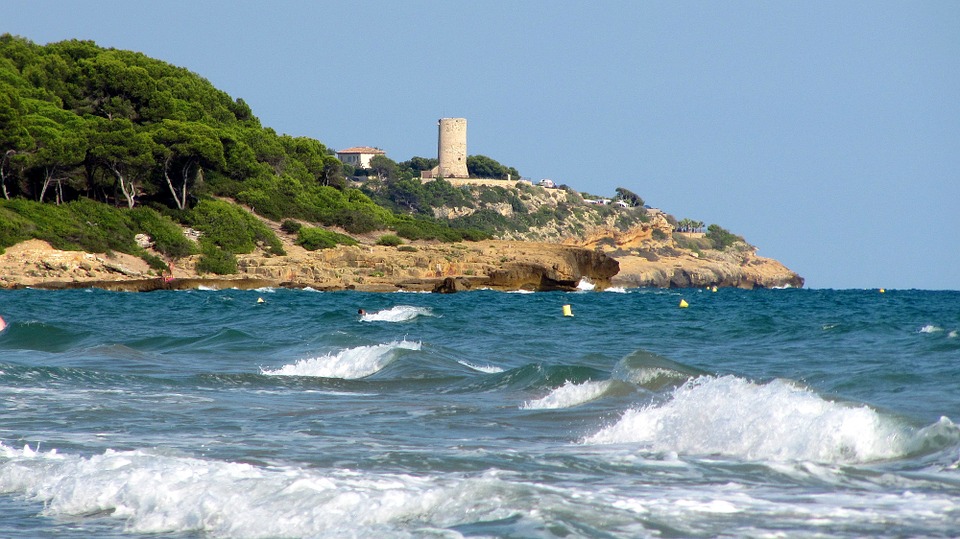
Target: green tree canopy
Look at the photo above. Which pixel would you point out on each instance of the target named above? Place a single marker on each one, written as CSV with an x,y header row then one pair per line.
x,y
481,166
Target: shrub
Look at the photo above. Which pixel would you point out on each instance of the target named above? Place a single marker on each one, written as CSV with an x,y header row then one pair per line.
x,y
721,237
407,248
154,261
13,228
167,236
311,239
216,260
356,222
290,226
231,228
390,240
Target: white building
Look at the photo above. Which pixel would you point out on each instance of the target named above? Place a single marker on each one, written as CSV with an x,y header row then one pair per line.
x,y
548,183
359,156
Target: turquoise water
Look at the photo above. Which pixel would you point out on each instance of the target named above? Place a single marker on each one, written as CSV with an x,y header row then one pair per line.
x,y
483,414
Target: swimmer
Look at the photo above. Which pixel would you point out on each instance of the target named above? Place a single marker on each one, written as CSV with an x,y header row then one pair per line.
x,y
361,312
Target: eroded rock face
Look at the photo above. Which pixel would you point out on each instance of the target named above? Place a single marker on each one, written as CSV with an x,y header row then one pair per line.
x,y
689,272
503,265
560,269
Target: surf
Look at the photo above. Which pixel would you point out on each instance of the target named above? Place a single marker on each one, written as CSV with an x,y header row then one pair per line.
x,y
774,421
347,364
399,313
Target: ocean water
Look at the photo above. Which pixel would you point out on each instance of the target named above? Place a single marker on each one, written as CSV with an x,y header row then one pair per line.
x,y
205,413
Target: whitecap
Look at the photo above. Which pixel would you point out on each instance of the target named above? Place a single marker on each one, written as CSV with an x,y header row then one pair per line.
x,y
585,284
569,395
348,364
930,328
617,290
156,493
489,369
774,421
398,313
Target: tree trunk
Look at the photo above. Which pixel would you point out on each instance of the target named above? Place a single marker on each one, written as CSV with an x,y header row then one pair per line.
x,y
48,173
3,175
129,192
173,190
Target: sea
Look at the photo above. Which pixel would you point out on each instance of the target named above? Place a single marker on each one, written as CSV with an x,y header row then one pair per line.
x,y
279,413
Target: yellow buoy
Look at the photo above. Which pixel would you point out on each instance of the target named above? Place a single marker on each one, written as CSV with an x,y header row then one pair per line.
x,y
882,291
567,311
714,289
260,300
684,304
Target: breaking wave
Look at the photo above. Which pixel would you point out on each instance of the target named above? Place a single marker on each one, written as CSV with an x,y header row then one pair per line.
x,y
159,493
399,313
776,421
488,369
568,395
348,364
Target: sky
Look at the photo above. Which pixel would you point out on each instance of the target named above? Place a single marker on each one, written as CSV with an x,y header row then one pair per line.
x,y
826,133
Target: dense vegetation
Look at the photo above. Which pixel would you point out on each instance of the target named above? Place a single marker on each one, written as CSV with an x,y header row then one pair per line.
x,y
82,123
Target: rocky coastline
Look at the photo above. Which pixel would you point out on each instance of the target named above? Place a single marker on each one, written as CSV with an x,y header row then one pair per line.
x,y
420,266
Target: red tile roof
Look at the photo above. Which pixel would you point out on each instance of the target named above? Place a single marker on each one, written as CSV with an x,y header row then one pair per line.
x,y
363,149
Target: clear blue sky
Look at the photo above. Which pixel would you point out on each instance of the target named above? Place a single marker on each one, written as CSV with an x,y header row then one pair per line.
x,y
825,133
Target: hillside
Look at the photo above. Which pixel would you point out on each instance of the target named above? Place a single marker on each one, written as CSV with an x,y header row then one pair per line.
x,y
117,155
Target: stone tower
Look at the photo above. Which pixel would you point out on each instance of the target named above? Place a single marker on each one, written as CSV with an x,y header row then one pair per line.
x,y
452,148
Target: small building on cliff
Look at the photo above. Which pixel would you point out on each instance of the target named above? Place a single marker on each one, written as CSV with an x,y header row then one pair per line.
x,y
359,156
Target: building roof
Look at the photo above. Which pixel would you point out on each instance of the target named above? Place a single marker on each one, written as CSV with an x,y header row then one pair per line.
x,y
363,149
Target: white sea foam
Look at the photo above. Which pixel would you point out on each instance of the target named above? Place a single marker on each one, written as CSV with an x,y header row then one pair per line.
x,y
489,369
774,421
617,290
398,313
953,334
159,493
348,364
569,395
521,291
585,284
930,328
148,492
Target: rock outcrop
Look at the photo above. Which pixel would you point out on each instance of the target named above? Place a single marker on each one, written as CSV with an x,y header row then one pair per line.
x,y
504,265
647,255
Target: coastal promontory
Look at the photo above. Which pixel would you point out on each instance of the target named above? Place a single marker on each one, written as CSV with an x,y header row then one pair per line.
x,y
122,171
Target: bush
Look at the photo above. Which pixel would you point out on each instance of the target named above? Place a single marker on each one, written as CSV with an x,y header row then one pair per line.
x,y
407,248
312,239
290,226
232,229
13,228
155,262
216,260
356,222
390,240
721,237
167,236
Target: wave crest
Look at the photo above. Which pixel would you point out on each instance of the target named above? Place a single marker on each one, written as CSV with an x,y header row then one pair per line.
x,y
568,395
773,421
348,364
398,313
